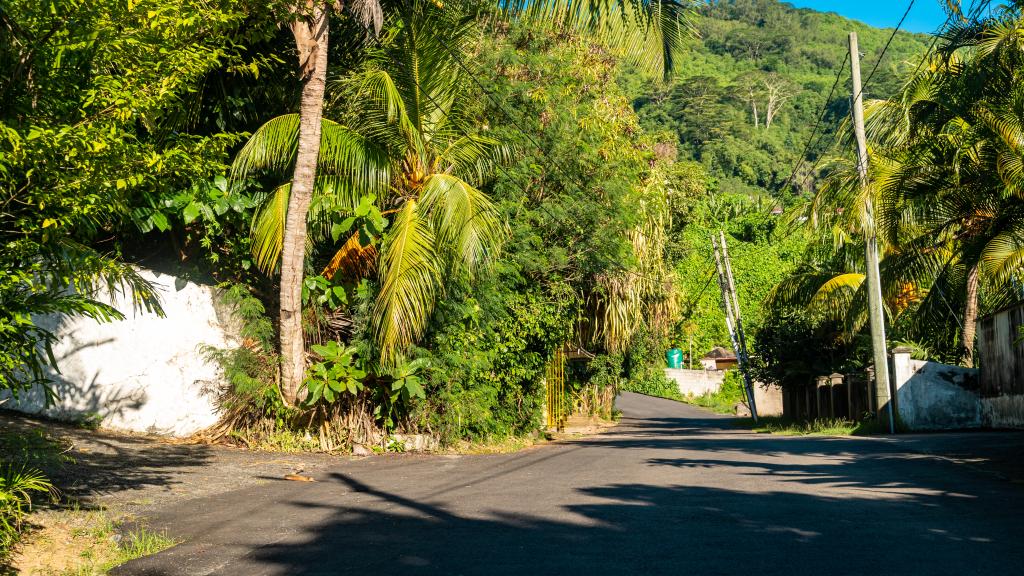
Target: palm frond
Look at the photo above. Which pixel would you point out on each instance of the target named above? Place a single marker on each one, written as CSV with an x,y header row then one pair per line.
x,y
463,217
409,274
68,264
473,156
834,297
1003,256
650,32
267,230
352,260
271,149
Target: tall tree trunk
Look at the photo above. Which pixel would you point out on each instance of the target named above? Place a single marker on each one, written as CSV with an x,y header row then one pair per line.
x,y
970,315
310,31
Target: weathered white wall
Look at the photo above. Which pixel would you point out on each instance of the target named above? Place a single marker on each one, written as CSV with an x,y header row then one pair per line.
x,y
768,400
696,382
934,396
144,373
1003,411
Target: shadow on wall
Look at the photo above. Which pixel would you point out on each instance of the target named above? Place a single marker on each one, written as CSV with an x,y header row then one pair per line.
x,y
144,373
81,397
935,396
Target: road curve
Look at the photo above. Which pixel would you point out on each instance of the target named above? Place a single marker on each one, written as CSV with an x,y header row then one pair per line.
x,y
671,490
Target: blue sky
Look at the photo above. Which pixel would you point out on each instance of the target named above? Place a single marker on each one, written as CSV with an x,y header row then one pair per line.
x,y
926,16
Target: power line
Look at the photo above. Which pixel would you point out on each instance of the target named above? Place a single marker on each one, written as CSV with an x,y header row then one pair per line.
x,y
973,14
835,135
821,117
886,48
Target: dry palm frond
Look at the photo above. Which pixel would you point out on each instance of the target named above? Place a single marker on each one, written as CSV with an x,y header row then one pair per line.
x,y
353,260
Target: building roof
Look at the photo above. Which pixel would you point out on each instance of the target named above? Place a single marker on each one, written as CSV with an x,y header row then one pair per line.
x,y
719,353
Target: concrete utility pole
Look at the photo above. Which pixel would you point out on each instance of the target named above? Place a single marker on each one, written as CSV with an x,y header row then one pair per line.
x,y
876,312
732,317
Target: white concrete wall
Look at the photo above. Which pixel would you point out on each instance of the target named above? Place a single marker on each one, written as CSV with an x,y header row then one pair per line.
x,y
934,396
768,400
1003,411
696,382
144,373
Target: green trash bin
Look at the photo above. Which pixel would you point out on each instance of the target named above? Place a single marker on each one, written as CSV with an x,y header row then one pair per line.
x,y
674,358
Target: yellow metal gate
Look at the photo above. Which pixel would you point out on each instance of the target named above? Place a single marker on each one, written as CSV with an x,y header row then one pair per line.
x,y
554,378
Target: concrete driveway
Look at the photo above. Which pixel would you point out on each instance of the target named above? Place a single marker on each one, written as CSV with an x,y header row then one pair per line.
x,y
672,490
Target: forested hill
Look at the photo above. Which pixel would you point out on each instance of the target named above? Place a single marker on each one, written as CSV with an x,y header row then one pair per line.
x,y
749,89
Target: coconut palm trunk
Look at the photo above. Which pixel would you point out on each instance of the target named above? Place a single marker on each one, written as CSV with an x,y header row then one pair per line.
x,y
970,315
311,32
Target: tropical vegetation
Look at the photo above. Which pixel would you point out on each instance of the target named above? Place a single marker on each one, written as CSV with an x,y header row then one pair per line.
x,y
418,208
945,178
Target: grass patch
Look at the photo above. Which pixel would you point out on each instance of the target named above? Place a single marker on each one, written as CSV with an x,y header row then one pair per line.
x,y
719,403
506,445
78,542
139,543
818,427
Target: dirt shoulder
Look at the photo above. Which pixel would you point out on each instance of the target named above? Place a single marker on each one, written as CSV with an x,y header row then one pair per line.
x,y
97,468
106,479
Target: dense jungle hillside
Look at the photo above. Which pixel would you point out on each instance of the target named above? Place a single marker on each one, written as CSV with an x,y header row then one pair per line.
x,y
750,86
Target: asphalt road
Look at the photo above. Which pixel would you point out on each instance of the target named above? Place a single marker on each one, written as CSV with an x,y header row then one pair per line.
x,y
671,490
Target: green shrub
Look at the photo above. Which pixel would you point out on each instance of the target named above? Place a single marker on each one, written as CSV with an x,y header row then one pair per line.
x,y
16,488
488,354
724,401
653,383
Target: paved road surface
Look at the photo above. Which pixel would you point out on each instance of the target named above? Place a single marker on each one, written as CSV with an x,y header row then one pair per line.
x,y
672,490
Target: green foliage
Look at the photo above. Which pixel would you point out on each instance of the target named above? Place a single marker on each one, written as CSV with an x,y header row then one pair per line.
x,y
407,382
487,359
452,250
16,488
792,349
945,181
250,370
653,383
394,400
747,51
339,371
91,137
725,399
321,291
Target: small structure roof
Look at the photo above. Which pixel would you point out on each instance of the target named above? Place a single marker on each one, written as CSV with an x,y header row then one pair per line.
x,y
719,353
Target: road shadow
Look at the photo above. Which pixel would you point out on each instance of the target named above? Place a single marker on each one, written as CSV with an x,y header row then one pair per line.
x,y
665,495
87,464
647,529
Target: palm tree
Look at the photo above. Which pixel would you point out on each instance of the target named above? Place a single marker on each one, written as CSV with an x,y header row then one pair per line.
x,y
954,182
309,23
651,28
412,148
947,179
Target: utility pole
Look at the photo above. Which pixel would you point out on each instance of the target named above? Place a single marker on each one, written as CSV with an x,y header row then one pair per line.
x,y
876,313
732,317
